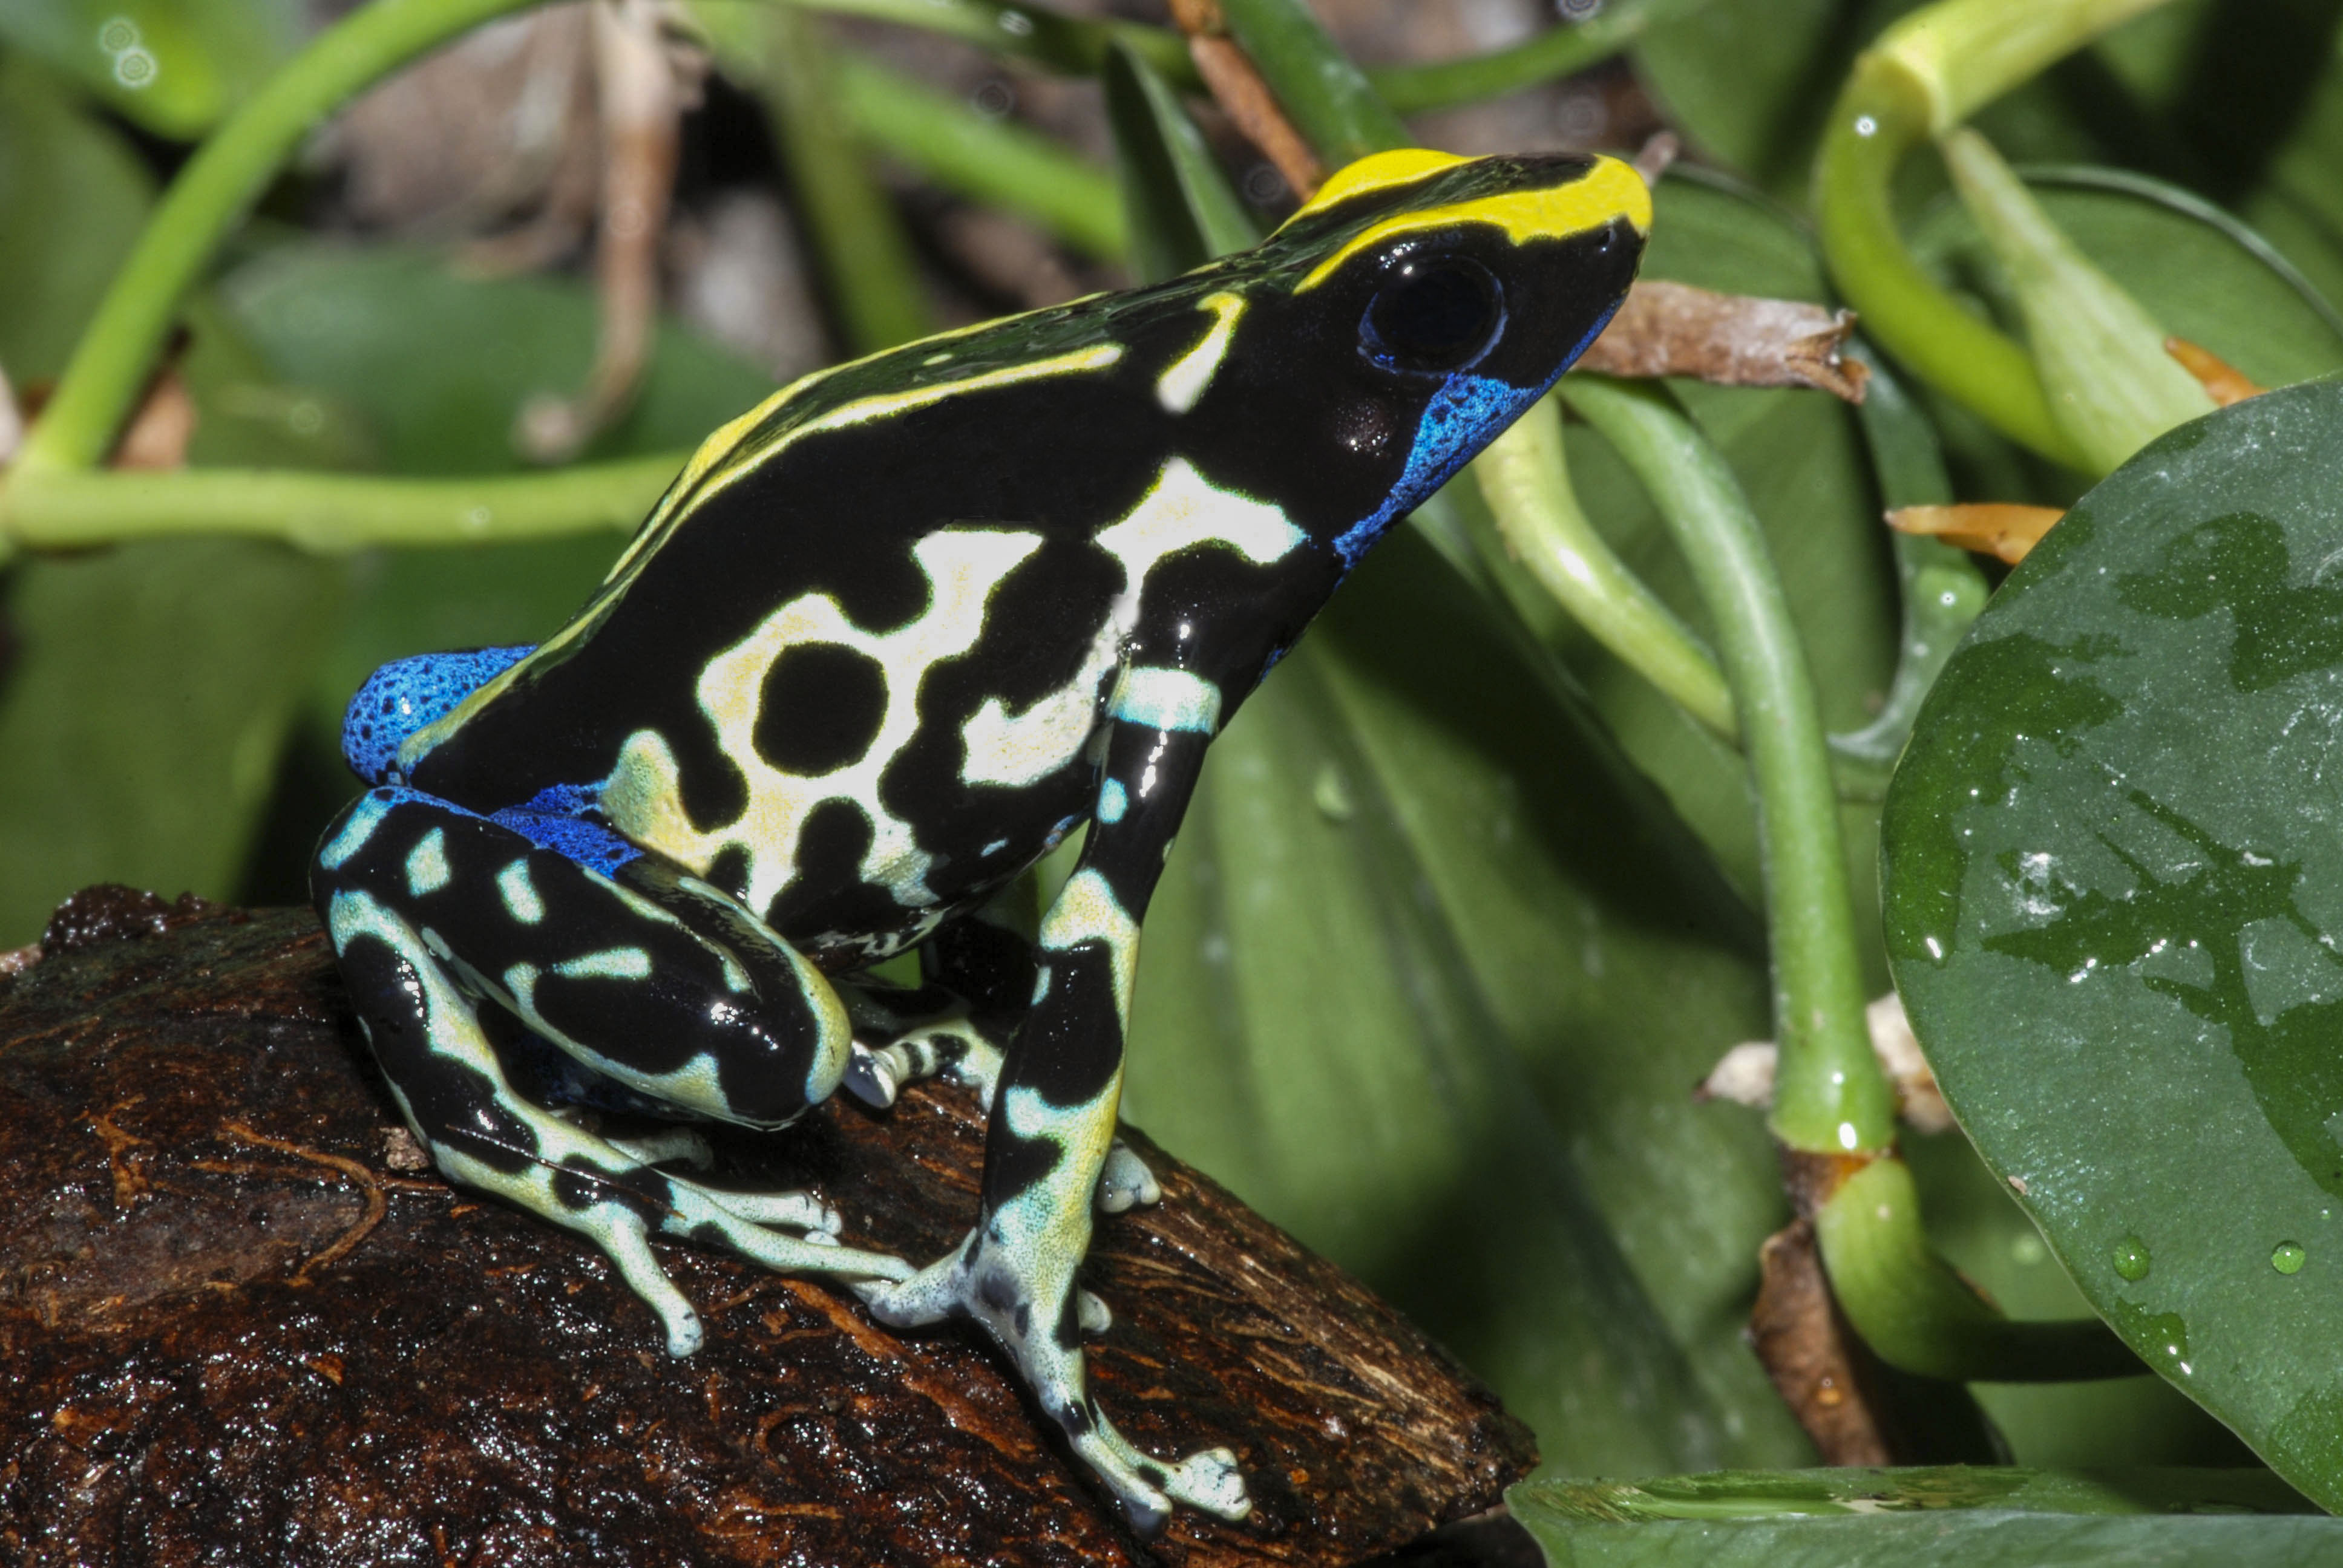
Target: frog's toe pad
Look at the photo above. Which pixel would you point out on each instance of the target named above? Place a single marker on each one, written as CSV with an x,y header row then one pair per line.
x,y
1211,1480
872,1077
1126,1182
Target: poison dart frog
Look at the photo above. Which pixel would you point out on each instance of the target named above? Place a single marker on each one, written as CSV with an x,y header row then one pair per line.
x,y
887,639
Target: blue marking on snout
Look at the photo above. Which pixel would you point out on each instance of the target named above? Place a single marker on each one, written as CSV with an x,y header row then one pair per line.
x,y
1465,415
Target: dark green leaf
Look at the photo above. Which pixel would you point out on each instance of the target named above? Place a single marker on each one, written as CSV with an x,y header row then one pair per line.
x,y
1427,980
72,198
174,66
438,365
143,713
2210,282
2110,864
1957,1517
1327,96
1182,210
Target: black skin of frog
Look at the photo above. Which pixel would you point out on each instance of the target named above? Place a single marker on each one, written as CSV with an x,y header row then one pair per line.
x,y
887,640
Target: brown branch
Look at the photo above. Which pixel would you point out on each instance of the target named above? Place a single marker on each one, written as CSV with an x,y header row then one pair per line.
x,y
1238,88
457,1354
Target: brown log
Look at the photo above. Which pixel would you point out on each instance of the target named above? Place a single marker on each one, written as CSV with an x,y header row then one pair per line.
x,y
243,1323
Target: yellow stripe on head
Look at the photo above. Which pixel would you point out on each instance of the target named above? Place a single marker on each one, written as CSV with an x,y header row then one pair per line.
x,y
1376,171
1608,191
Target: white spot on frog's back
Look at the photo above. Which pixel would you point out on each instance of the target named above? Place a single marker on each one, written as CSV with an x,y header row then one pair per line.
x,y
642,796
1019,748
1182,510
426,865
520,893
1179,388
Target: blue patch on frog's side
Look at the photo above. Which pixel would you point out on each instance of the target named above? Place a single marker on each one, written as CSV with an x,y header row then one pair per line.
x,y
1462,417
407,694
555,819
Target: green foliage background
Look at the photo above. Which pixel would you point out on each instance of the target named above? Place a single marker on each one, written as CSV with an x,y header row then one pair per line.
x,y
1465,906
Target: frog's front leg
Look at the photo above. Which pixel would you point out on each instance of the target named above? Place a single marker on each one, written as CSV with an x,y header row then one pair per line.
x,y
1053,1119
977,983
661,988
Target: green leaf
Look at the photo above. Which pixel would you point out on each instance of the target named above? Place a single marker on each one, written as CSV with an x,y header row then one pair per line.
x,y
438,363
433,366
73,197
1949,1517
1182,210
2203,276
1427,980
174,66
143,713
2110,867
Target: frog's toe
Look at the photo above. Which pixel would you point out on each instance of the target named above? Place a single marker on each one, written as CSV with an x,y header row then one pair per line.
x,y
1126,1182
872,1076
670,1145
1092,1313
798,1210
624,1240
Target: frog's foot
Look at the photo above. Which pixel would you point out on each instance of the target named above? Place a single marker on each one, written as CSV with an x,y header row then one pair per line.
x,y
1038,1324
1125,1182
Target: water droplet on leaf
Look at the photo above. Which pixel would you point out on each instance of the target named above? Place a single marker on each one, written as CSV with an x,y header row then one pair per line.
x,y
2131,1259
2289,1257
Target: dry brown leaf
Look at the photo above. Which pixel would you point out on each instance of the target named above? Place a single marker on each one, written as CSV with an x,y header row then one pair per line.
x,y
2001,528
2222,381
1731,339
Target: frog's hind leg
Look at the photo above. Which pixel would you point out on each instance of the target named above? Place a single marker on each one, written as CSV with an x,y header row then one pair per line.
x,y
431,908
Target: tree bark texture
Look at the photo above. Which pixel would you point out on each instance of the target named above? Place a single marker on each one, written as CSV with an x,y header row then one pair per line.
x,y
244,1321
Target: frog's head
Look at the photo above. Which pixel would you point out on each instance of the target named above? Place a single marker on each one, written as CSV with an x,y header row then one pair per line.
x,y
1420,303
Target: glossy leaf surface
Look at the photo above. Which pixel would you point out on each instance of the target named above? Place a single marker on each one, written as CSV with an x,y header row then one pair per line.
x,y
1950,1517
2111,875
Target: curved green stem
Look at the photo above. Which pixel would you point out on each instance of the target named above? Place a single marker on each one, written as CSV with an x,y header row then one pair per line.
x,y
330,513
1074,46
1558,51
1881,115
1524,478
1919,1314
208,199
1830,1096
1941,587
867,264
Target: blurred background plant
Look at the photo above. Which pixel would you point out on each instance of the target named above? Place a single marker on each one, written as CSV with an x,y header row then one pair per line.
x,y
1476,894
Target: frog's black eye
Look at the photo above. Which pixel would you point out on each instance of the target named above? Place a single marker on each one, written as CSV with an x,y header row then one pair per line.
x,y
1434,313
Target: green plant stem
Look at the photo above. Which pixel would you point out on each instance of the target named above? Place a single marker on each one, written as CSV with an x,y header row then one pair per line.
x,y
1072,45
997,163
1830,1096
1327,96
1919,1314
1524,478
331,513
1881,116
1181,211
210,196
1558,51
1926,74
1941,587
866,258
